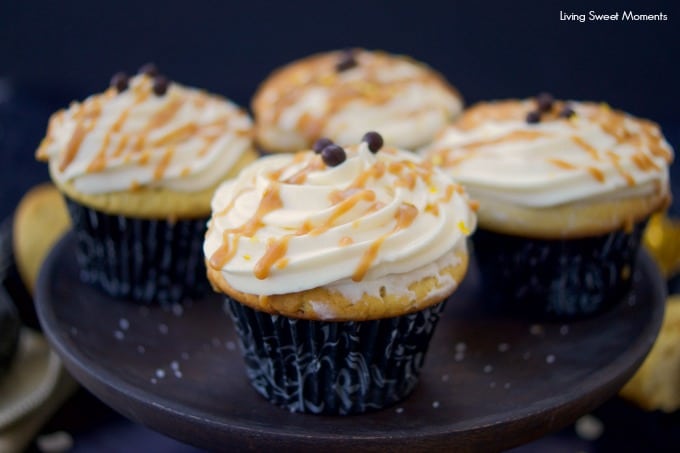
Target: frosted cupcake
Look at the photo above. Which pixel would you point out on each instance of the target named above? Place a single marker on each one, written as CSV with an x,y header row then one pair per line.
x,y
336,266
341,94
137,165
564,191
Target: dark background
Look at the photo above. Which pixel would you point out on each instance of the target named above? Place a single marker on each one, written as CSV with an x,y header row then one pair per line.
x,y
52,52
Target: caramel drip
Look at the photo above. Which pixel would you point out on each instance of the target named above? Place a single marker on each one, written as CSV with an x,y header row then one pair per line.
x,y
276,250
74,144
562,164
514,136
616,161
300,176
585,146
404,217
177,135
270,201
345,241
164,115
644,162
99,162
159,171
343,205
596,173
121,146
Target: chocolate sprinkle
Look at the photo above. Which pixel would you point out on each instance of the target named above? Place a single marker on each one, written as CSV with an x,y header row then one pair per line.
x,y
333,155
321,143
120,81
149,69
373,140
533,117
346,61
567,112
544,102
160,85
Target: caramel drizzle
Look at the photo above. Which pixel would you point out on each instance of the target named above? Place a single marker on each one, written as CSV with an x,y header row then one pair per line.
x,y
369,88
404,216
342,201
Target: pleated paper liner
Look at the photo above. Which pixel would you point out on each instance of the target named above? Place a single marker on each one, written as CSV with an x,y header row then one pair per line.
x,y
338,368
556,280
144,260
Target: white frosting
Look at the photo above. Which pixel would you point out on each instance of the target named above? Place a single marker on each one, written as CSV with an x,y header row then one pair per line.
x,y
327,239
401,99
184,140
494,161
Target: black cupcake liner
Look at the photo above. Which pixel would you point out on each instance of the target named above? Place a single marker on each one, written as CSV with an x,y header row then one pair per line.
x,y
557,279
144,260
333,368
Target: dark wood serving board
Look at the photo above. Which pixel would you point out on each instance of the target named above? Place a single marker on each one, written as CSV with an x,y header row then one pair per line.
x,y
490,381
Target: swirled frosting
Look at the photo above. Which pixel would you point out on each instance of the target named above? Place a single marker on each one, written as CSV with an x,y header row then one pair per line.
x,y
406,101
592,153
290,223
183,140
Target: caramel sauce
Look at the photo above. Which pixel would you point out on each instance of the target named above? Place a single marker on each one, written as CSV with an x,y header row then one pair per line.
x,y
562,164
514,136
345,241
616,161
343,206
183,132
164,115
159,171
404,217
270,201
300,176
596,173
643,161
276,250
74,145
586,147
121,146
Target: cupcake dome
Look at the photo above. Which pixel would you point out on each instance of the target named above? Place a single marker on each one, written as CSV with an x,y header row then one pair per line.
x,y
380,234
572,169
341,94
147,147
564,192
137,165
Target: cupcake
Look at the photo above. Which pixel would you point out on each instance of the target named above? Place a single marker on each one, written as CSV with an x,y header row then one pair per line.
x,y
336,265
564,191
137,165
342,94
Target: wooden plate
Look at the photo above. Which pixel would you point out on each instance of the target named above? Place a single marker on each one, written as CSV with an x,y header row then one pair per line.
x,y
490,381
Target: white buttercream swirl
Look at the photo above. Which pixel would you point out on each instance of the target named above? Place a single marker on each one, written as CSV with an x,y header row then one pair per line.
x,y
596,154
407,102
184,140
372,216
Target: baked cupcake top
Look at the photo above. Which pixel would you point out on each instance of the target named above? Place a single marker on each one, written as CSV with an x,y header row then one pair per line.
x,y
541,152
341,94
145,132
342,219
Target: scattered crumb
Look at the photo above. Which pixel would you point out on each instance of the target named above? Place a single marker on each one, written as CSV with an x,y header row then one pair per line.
x,y
589,427
178,374
124,324
174,365
564,330
118,335
461,347
55,442
399,410
445,378
230,345
435,404
154,380
141,349
160,373
503,347
488,369
459,356
177,310
184,356
550,358
163,328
